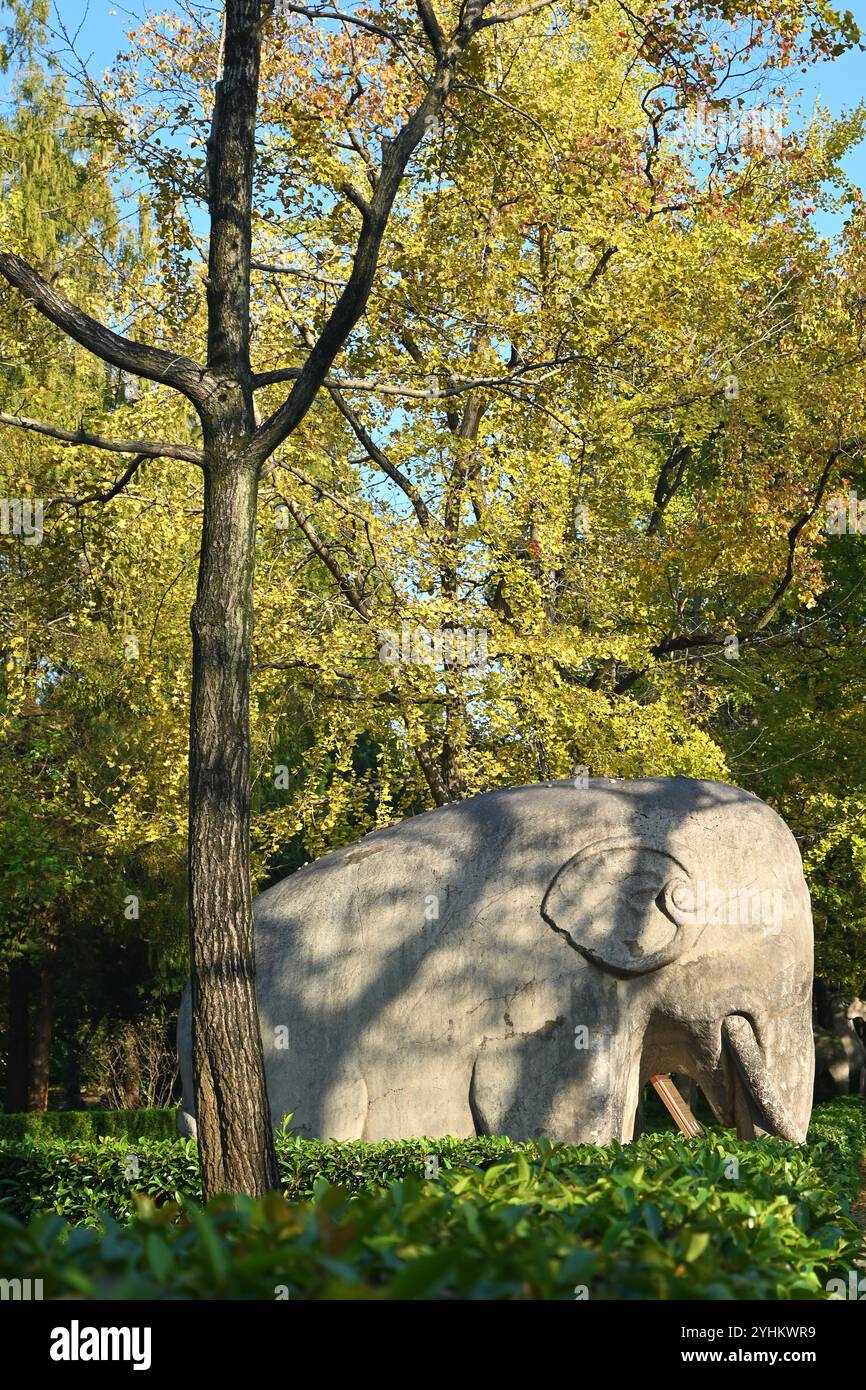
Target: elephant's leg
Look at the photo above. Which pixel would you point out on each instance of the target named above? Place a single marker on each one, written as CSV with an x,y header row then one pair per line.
x,y
517,1089
745,1114
310,1077
186,1121
638,1119
537,1085
513,1092
431,1099
840,1075
856,1063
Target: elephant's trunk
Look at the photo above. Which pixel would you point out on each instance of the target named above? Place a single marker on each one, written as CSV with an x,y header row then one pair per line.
x,y
761,1106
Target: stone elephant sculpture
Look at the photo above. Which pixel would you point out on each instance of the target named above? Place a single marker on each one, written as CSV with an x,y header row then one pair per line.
x,y
522,962
840,1055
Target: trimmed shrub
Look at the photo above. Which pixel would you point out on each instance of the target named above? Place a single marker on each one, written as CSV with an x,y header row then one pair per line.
x,y
667,1217
90,1124
80,1180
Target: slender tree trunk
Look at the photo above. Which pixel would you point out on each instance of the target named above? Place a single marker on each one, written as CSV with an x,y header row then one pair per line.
x,y
130,1069
72,1097
40,1039
234,1123
18,1038
236,1141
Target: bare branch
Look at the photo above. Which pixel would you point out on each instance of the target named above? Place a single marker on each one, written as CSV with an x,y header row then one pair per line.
x,y
452,418
359,200
271,268
518,111
675,463
606,256
696,641
455,387
155,364
793,536
363,435
281,374
324,12
689,642
113,491
379,457
387,697
319,548
516,14
147,448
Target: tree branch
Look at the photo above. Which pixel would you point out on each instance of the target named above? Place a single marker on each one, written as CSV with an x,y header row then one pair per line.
x,y
387,697
155,364
365,209
319,548
432,28
146,448
695,641
101,496
516,14
666,487
271,268
376,454
793,536
455,386
323,12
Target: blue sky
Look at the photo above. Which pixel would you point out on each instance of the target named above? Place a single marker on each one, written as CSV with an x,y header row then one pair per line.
x,y
841,85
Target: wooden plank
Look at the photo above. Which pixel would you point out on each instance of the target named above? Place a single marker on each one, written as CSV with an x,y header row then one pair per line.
x,y
676,1106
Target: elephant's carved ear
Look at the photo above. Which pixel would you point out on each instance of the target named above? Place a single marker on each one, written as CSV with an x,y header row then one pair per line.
x,y
628,907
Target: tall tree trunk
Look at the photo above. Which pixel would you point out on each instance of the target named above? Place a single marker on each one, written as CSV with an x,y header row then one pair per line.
x,y
233,1116
40,1039
18,1037
236,1142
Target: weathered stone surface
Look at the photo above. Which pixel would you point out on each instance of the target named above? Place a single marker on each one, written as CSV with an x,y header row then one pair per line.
x,y
522,962
840,1057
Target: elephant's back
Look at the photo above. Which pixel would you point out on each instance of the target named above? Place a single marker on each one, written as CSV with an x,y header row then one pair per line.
x,y
476,871
392,894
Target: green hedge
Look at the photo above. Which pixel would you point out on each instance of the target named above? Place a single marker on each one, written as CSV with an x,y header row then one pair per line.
x,y
80,1180
90,1124
666,1217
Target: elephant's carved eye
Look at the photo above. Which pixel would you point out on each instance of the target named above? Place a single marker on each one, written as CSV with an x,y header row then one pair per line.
x,y
682,897
628,907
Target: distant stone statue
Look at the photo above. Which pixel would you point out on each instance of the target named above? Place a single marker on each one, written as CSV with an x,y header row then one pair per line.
x,y
522,962
840,1055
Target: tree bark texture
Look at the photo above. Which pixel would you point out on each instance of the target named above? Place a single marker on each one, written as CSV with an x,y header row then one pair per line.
x,y
233,1116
